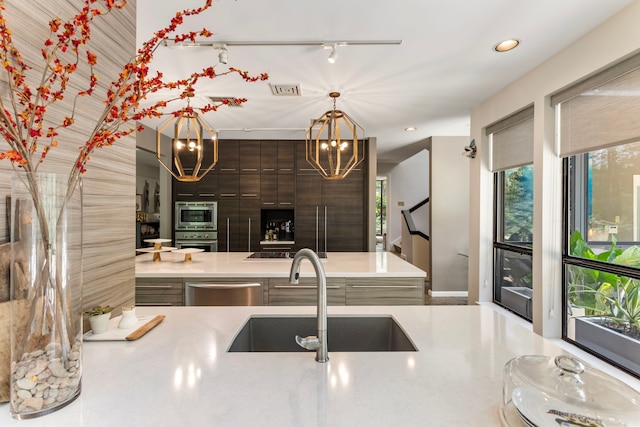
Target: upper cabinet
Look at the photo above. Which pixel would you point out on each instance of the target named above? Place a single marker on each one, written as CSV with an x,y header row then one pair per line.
x,y
277,157
286,157
250,157
228,156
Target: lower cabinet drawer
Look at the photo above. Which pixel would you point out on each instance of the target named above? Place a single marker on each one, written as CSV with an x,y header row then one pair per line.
x,y
164,292
378,291
281,292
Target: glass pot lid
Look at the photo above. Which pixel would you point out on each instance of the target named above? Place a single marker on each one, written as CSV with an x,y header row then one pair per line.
x,y
548,391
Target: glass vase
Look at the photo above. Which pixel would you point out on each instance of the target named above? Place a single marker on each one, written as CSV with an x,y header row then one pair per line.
x,y
46,293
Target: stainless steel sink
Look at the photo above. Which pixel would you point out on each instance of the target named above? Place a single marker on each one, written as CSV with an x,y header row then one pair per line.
x,y
345,333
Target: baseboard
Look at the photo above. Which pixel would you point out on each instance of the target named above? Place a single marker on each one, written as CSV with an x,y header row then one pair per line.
x,y
437,294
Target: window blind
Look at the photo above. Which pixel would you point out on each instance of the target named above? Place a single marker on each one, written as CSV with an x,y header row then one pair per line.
x,y
601,111
512,141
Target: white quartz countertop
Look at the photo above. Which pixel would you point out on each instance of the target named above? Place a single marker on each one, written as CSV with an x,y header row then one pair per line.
x,y
180,374
236,264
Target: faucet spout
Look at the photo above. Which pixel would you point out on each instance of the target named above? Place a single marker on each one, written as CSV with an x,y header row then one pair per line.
x,y
318,342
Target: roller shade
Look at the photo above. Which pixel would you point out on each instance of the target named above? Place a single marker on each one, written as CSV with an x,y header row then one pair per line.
x,y
512,141
602,111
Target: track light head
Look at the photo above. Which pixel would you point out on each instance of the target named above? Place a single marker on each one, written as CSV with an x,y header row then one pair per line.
x,y
223,57
334,54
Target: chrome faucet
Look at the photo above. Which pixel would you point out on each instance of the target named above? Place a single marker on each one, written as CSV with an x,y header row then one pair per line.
x,y
319,342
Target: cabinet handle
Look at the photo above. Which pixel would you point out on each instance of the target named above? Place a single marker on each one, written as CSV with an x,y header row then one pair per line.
x,y
249,169
164,304
268,203
385,286
286,169
268,169
285,203
249,195
154,286
185,194
227,194
207,194
304,287
228,169
223,285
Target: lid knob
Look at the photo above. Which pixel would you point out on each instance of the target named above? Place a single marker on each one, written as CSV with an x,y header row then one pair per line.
x,y
569,364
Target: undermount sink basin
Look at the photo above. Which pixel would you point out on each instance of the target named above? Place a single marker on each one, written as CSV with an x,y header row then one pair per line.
x,y
345,333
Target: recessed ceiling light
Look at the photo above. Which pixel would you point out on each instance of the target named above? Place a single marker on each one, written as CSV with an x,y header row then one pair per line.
x,y
506,45
410,129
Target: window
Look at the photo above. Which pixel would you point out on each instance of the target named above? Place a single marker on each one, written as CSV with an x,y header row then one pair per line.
x,y
512,155
513,235
600,143
381,206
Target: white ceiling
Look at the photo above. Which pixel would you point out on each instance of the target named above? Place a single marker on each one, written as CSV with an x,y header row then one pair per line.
x,y
444,66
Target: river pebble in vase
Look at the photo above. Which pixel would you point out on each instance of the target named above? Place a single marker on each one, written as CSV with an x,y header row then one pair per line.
x,y
46,294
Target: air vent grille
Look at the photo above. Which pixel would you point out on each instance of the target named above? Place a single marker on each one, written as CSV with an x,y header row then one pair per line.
x,y
231,101
285,89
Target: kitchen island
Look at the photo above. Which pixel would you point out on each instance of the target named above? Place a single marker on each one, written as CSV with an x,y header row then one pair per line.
x,y
237,264
180,374
355,278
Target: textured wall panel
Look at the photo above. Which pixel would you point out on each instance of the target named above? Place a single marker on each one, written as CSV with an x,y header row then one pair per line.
x,y
109,184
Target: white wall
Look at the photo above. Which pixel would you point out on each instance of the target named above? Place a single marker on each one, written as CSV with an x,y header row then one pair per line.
x,y
615,39
449,215
408,183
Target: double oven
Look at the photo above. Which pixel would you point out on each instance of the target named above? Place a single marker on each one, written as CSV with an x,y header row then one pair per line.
x,y
196,225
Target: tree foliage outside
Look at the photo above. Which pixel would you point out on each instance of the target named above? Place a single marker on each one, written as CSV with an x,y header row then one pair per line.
x,y
518,204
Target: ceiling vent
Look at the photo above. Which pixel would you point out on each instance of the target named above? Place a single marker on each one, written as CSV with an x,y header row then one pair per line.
x,y
230,100
285,89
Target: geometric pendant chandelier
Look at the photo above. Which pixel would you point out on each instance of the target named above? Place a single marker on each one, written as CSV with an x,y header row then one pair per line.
x,y
334,143
190,134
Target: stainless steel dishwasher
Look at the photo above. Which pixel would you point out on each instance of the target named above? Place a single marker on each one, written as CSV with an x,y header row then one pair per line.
x,y
223,293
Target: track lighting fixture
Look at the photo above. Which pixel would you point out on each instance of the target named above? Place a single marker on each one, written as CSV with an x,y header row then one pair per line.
x,y
223,55
334,54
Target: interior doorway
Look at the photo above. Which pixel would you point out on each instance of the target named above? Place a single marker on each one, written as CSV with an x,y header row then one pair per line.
x,y
381,213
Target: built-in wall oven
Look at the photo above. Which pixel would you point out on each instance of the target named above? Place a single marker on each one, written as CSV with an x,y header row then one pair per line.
x,y
196,225
205,240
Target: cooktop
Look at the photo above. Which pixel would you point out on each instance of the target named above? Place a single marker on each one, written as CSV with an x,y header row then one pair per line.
x,y
279,255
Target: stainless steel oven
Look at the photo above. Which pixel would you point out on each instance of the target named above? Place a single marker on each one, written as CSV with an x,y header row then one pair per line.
x,y
207,240
196,216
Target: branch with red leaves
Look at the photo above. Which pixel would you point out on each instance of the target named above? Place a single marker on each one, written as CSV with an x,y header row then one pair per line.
x,y
23,116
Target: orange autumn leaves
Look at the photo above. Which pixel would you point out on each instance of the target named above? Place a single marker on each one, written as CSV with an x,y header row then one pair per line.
x,y
24,117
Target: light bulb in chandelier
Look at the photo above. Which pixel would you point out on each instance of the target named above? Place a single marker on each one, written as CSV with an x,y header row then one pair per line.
x,y
333,143
324,146
191,145
179,145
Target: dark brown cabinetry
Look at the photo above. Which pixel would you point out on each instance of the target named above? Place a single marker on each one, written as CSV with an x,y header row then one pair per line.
x,y
228,224
228,156
286,157
330,214
250,157
277,180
